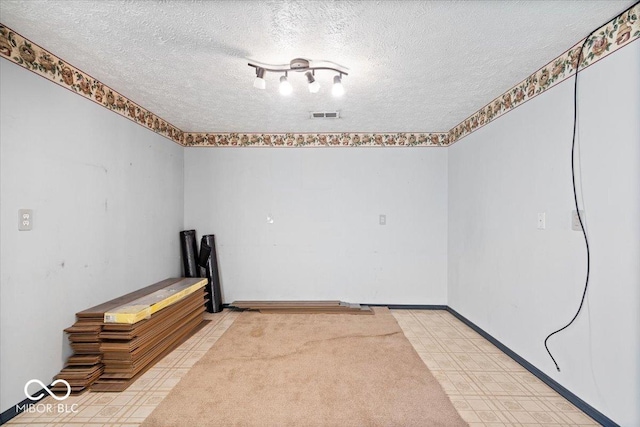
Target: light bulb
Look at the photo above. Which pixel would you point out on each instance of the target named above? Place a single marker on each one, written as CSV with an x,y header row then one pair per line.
x,y
337,89
314,86
285,86
259,83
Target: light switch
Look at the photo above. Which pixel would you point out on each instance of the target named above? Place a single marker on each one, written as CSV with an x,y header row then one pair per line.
x,y
575,222
25,219
383,220
542,221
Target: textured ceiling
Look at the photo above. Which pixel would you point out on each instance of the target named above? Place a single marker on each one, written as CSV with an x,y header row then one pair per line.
x,y
414,66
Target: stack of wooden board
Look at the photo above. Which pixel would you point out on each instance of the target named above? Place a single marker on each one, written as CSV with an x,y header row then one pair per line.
x,y
128,350
85,366
303,307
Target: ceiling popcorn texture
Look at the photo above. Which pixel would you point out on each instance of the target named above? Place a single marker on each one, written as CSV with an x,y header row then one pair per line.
x,y
416,69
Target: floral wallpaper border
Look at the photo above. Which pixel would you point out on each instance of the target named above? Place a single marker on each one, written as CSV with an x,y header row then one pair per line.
x,y
612,36
316,139
23,52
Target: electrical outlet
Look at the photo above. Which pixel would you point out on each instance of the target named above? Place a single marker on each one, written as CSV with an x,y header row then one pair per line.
x,y
542,221
575,221
383,220
25,219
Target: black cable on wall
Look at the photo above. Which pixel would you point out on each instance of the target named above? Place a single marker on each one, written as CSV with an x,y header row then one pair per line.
x,y
575,200
575,195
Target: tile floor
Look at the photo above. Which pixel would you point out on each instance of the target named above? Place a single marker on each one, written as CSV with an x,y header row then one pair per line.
x,y
486,386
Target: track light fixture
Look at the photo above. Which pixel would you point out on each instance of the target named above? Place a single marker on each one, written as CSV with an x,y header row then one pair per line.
x,y
300,65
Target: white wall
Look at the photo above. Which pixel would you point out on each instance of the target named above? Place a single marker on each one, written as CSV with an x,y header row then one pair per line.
x,y
107,197
519,283
325,241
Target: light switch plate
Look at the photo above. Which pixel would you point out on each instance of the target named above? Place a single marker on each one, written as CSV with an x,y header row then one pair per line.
x,y
575,222
383,220
25,219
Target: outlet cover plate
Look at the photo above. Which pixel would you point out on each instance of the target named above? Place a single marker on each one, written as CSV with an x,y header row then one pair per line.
x,y
25,219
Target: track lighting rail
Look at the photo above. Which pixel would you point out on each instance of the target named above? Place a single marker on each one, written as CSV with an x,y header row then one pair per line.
x,y
299,65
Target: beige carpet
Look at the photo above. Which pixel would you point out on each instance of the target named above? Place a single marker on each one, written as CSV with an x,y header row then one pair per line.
x,y
308,370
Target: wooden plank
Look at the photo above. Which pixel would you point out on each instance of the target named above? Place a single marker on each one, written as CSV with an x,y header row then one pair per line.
x,y
269,304
317,311
99,310
149,357
117,385
127,331
89,359
145,306
83,337
141,342
79,328
302,307
86,348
